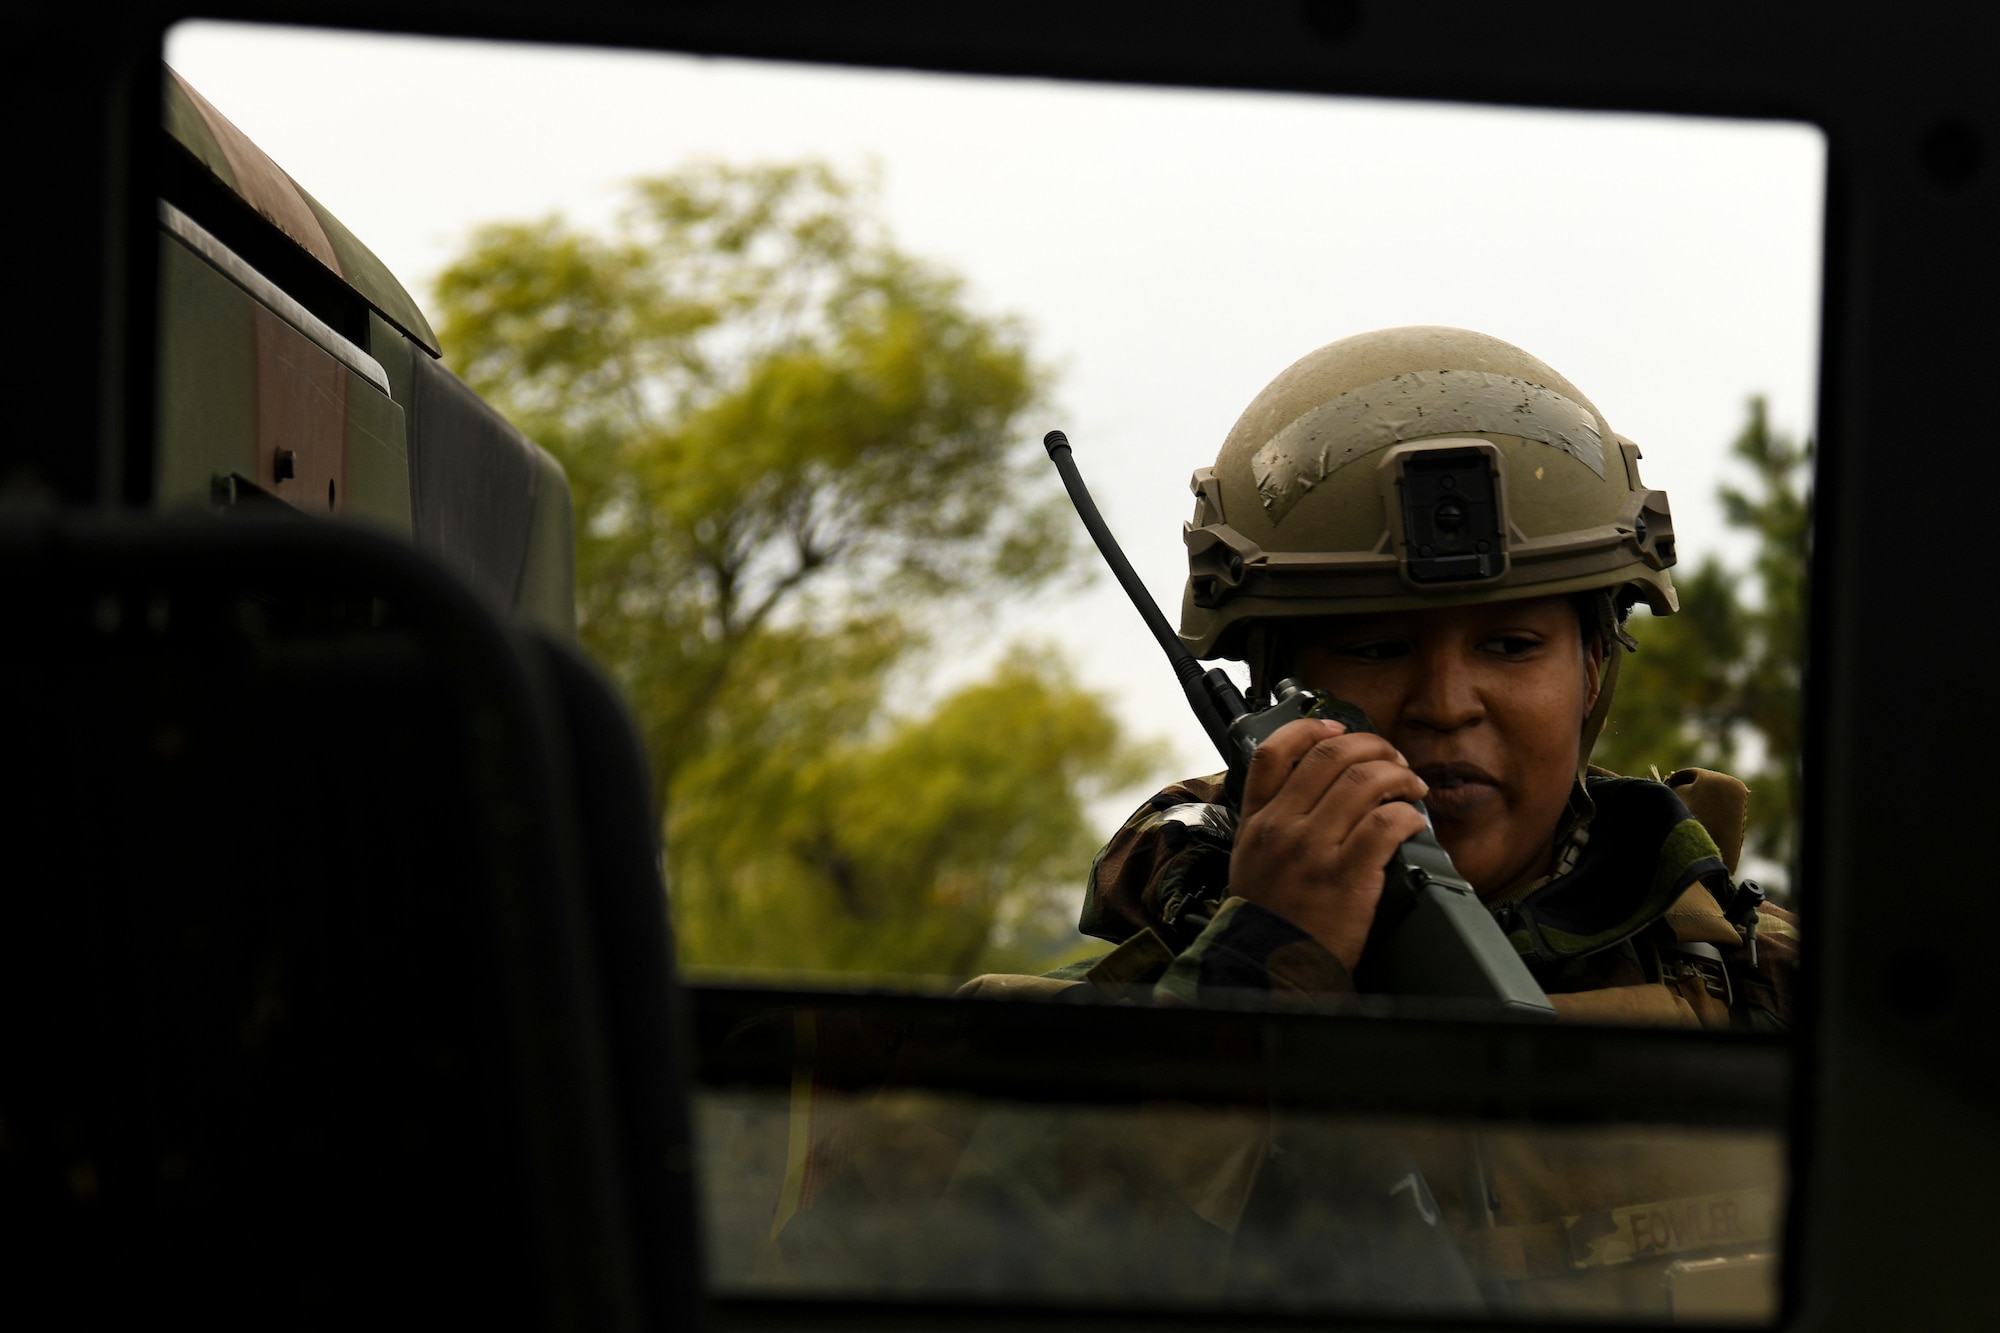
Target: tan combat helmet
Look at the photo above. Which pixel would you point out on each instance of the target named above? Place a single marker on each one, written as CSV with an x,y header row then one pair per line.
x,y
1411,468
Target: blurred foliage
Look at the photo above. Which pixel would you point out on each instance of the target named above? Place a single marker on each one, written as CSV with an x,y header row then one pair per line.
x,y
950,843
1719,684
798,467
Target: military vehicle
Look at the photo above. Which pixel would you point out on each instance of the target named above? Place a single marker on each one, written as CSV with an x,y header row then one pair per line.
x,y
296,370
335,965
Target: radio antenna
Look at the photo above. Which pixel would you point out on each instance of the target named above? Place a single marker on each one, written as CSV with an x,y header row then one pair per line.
x,y
1186,669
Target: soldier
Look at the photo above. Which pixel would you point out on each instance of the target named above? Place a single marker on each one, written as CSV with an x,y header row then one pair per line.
x,y
1437,527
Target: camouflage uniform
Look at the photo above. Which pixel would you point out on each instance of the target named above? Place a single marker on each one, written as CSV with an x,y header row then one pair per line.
x,y
1399,471
1178,1203
1631,927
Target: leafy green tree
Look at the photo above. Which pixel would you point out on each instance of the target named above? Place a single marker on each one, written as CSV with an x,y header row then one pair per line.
x,y
1720,683
948,843
796,458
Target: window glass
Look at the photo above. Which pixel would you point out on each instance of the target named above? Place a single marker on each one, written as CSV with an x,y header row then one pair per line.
x,y
794,333
795,337
922,1197
1278,1174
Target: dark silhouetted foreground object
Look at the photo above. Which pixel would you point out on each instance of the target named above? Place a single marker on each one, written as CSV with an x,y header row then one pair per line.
x,y
338,985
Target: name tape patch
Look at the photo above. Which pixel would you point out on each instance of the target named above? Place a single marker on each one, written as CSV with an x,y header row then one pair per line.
x,y
1645,1230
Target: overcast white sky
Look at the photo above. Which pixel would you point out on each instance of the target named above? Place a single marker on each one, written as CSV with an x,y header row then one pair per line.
x,y
1171,251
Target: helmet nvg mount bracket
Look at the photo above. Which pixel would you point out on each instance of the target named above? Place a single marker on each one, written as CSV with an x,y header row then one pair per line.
x,y
1412,468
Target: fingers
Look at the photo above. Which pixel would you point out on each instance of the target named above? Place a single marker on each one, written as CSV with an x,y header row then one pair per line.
x,y
1359,787
1323,812
1312,769
1332,800
1272,764
1381,831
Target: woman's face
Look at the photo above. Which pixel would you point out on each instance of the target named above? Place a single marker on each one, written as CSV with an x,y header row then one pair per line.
x,y
1487,703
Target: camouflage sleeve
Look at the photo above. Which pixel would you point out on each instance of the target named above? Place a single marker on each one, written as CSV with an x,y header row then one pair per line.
x,y
1764,993
1166,869
1166,872
1248,948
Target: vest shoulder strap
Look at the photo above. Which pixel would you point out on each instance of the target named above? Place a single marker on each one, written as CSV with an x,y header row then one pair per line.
x,y
1720,802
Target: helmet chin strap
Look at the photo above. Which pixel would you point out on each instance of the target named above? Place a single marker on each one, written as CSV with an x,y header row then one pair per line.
x,y
1260,648
1593,725
1617,641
